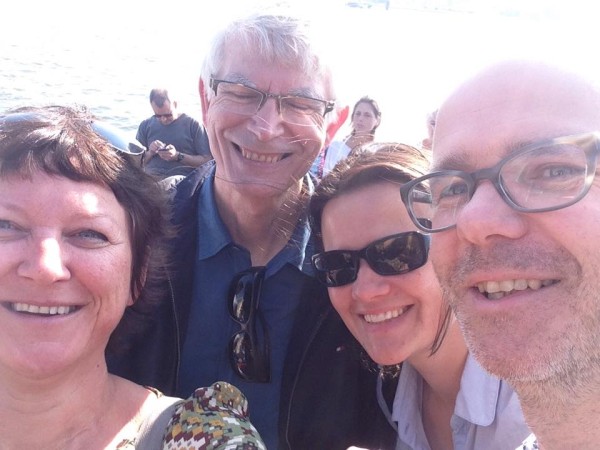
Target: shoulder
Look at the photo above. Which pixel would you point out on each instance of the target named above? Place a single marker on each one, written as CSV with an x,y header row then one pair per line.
x,y
146,122
213,417
188,120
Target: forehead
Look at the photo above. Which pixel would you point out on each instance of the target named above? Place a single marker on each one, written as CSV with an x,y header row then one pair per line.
x,y
241,63
344,216
508,107
365,107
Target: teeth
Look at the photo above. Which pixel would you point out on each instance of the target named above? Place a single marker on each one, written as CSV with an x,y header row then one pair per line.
x,y
261,157
376,318
43,310
498,289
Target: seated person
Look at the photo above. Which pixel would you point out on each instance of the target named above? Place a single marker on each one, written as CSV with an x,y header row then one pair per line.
x,y
175,142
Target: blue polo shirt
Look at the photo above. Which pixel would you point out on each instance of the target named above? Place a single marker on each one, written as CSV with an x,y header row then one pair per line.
x,y
205,357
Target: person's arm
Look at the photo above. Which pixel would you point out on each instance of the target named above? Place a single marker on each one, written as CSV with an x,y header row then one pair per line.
x,y
170,153
201,145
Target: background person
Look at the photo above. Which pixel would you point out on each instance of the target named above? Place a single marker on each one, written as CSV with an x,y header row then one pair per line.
x,y
517,248
365,118
247,309
81,233
385,290
175,141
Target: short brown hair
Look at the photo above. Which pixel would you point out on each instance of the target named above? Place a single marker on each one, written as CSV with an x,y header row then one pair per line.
x,y
366,166
60,141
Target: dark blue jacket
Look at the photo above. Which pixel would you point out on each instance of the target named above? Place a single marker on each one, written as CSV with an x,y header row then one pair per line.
x,y
328,395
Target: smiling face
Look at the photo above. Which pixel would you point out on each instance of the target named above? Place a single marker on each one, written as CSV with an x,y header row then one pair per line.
x,y
65,272
544,321
261,154
395,318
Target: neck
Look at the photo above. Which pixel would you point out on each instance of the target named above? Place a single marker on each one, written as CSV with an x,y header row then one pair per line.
x,y
443,370
262,225
563,414
442,374
83,410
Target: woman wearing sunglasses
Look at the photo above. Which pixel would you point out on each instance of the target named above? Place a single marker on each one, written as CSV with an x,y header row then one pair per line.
x,y
374,263
81,227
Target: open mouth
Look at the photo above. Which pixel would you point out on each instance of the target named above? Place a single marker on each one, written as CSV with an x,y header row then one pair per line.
x,y
26,308
262,157
388,315
494,290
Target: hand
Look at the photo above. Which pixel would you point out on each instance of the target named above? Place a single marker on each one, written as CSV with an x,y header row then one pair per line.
x,y
154,147
168,153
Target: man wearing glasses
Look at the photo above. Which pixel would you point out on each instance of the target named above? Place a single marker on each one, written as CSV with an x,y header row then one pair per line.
x,y
175,141
515,204
248,308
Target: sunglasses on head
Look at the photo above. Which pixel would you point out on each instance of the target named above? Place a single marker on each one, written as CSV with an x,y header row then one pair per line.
x,y
117,140
249,359
111,134
391,255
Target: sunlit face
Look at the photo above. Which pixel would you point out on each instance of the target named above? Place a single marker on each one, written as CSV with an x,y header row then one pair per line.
x,y
364,119
261,154
395,318
167,113
65,272
544,322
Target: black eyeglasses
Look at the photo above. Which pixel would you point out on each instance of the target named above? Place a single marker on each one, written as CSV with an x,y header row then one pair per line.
x,y
544,176
249,360
294,109
391,255
165,116
111,134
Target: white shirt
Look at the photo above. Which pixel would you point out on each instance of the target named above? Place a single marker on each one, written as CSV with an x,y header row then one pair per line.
x,y
336,151
487,414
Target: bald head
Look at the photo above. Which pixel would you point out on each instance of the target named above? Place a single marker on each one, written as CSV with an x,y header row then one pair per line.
x,y
515,102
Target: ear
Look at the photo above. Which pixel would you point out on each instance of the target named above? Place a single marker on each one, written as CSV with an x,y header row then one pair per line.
x,y
335,125
203,99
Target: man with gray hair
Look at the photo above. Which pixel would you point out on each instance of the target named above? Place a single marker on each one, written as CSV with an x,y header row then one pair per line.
x,y
246,307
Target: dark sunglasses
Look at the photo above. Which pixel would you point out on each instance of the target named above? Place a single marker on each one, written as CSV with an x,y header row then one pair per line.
x,y
111,134
391,255
166,116
249,360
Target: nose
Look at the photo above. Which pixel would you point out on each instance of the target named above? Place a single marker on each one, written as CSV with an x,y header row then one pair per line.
x,y
267,122
44,262
369,285
487,215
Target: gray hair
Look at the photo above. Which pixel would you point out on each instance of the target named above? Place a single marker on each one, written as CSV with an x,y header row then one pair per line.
x,y
281,39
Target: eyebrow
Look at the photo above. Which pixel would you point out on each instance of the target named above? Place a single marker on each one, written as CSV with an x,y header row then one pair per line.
x,y
459,159
241,79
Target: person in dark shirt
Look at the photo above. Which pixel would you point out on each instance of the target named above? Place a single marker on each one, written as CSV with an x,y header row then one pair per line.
x,y
175,142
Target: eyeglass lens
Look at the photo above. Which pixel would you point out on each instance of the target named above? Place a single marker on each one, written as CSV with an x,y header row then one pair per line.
x,y
543,178
392,255
242,99
249,360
